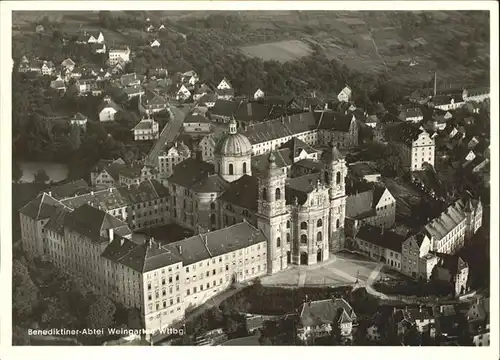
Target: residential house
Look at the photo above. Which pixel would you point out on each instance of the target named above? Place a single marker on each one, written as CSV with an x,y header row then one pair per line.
x,y
171,156
136,174
424,318
131,79
88,86
371,121
79,119
416,260
108,110
411,114
196,123
201,91
68,64
225,90
151,103
208,100
483,337
58,84
150,28
98,48
47,68
95,38
345,95
154,44
376,207
421,97
161,27
116,54
182,93
106,173
378,244
146,129
39,29
190,78
118,67
207,147
403,321
259,94
416,145
317,319
133,91
341,129
452,269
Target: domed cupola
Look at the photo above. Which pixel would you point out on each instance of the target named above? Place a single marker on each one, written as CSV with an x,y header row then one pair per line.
x,y
233,154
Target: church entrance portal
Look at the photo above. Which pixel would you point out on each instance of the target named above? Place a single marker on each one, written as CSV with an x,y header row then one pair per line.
x,y
303,258
319,256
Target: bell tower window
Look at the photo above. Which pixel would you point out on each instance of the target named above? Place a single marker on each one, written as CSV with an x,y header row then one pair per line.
x,y
277,194
231,169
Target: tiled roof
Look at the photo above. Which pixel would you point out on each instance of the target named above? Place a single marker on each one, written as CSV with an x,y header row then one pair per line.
x,y
216,243
69,189
453,264
447,221
359,205
225,92
224,107
317,313
296,146
150,98
92,223
211,184
131,90
79,116
411,113
210,97
332,120
42,207
283,158
242,192
299,187
196,119
144,124
403,133
279,128
56,222
388,239
190,172
311,164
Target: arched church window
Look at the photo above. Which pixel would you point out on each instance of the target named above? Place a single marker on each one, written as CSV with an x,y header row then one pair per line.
x,y
231,169
264,194
338,177
277,195
303,239
338,223
303,225
244,168
288,224
212,206
319,223
288,238
319,236
278,242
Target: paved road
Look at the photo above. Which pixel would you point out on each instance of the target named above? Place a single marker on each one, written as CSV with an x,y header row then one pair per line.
x,y
169,133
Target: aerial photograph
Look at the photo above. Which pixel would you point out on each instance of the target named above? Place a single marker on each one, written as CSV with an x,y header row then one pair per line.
x,y
251,178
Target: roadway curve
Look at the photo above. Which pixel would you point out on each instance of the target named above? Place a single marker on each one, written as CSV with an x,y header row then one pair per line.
x,y
168,133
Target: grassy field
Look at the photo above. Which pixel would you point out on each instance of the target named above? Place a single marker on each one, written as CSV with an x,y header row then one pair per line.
x,y
283,51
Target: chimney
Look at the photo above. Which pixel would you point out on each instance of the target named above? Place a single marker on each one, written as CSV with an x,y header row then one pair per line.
x,y
92,193
110,189
180,249
249,109
111,235
420,308
49,193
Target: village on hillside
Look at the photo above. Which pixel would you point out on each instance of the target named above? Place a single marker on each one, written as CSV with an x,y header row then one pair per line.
x,y
242,218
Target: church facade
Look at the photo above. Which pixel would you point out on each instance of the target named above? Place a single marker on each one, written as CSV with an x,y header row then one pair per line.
x,y
302,217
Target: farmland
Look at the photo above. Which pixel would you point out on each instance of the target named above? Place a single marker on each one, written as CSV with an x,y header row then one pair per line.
x,y
287,50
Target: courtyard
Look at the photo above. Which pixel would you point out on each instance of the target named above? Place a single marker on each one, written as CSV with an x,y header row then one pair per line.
x,y
341,269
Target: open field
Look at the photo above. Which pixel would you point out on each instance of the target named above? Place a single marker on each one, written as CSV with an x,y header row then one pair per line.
x,y
283,51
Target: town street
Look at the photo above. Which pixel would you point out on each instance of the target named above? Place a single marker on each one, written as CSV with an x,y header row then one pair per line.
x,y
169,133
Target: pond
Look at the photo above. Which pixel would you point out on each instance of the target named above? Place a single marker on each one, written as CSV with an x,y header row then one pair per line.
x,y
56,172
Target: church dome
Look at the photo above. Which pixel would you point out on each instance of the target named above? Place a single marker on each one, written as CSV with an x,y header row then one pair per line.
x,y
233,144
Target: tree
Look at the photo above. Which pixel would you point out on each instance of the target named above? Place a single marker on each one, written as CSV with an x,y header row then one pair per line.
x,y
25,293
41,177
231,325
101,313
17,172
